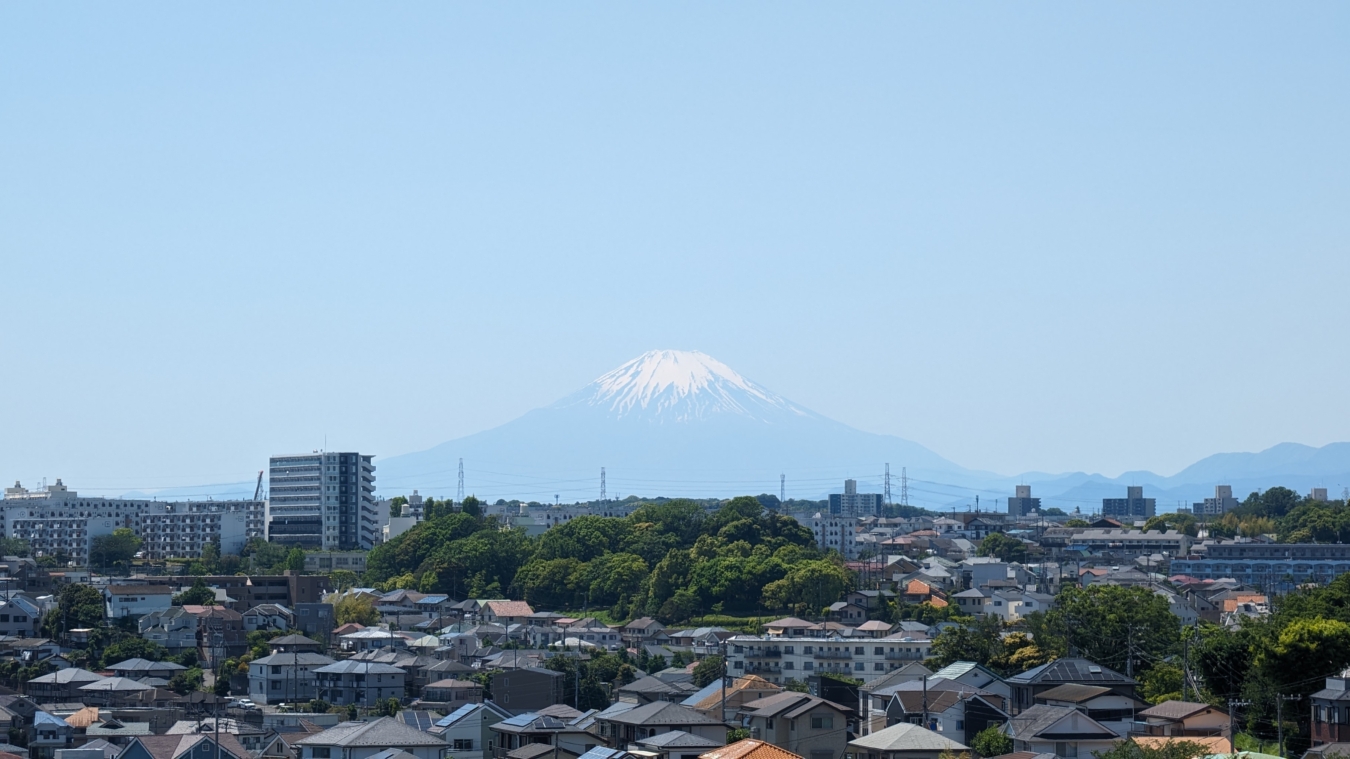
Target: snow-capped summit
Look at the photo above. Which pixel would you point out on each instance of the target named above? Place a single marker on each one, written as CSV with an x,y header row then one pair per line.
x,y
680,386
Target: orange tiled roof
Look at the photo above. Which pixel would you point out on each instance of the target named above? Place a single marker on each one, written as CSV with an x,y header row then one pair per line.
x,y
750,749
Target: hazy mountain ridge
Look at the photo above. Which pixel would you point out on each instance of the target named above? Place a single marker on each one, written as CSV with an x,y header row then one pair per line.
x,y
683,423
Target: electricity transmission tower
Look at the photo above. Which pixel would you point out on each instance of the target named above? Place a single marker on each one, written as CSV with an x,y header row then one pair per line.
x,y
459,494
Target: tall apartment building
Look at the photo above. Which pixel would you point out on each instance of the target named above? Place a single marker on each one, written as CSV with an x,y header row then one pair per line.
x,y
323,500
854,504
1222,502
1023,504
57,520
1319,495
1133,506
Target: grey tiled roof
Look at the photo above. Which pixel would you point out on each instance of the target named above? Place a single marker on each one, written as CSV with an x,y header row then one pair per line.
x,y
384,732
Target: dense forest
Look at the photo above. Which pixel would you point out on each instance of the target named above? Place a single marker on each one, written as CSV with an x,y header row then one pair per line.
x,y
672,560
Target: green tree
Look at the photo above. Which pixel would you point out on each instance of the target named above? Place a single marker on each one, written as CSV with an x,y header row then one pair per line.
x,y
354,608
197,595
343,579
118,548
1003,547
78,606
1115,626
295,560
396,506
186,681
14,547
132,647
977,641
992,741
471,507
708,671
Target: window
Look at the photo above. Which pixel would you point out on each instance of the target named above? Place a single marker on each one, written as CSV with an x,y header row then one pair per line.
x,y
464,744
859,650
1066,750
822,722
807,665
789,665
789,650
320,752
808,649
768,724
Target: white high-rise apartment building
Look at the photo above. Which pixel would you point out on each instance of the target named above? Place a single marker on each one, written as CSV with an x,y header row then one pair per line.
x,y
836,531
323,500
58,521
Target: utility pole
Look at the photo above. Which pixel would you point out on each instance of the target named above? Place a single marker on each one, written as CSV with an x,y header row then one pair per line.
x,y
1279,716
1232,724
925,702
723,646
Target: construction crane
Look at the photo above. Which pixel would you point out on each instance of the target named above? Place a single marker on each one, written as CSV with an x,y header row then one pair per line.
x,y
257,491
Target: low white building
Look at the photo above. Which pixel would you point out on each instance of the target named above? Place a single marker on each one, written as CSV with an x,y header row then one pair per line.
x,y
835,532
779,660
135,601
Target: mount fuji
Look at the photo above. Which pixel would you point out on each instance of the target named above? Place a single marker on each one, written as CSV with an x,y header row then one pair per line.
x,y
681,421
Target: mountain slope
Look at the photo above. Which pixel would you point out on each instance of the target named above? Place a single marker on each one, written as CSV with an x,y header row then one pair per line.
x,y
681,420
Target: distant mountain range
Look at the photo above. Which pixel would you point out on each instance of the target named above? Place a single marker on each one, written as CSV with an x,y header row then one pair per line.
x,y
682,423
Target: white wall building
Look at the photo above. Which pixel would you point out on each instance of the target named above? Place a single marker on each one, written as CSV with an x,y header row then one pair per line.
x,y
135,601
57,520
779,659
837,532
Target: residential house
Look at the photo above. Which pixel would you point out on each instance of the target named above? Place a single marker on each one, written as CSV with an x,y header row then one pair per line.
x,y
1189,719
976,676
904,741
220,633
269,617
641,630
527,689
676,744
504,612
359,682
291,644
61,686
710,699
1027,685
138,669
1099,702
789,627
450,694
185,746
315,620
557,729
1060,730
645,690
466,730
873,709
955,710
49,734
19,616
798,722
847,613
135,601
629,726
117,732
112,691
174,628
1331,712
363,740
371,639
285,677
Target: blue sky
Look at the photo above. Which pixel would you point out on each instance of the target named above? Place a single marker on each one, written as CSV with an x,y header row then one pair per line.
x,y
1097,237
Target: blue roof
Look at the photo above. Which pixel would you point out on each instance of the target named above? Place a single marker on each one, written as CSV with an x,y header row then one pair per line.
x,y
456,715
521,720
600,752
43,718
433,600
702,693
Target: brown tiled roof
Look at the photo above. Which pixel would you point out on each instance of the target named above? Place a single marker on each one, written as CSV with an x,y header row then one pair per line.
x,y
1173,709
509,608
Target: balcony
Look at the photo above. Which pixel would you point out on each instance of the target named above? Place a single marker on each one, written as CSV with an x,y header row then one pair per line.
x,y
764,653
825,653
